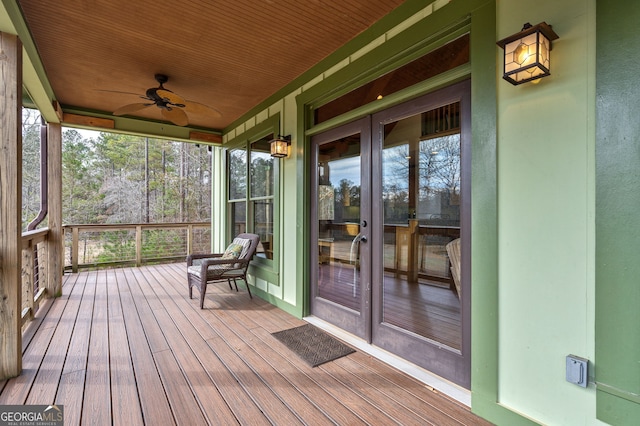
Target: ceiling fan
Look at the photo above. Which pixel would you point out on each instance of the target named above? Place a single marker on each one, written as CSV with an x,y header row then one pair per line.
x,y
173,107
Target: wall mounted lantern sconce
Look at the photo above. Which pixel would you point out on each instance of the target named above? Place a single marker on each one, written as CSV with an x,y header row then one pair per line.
x,y
526,54
280,146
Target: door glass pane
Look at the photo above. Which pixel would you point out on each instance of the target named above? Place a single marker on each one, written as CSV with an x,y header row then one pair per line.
x,y
421,203
338,213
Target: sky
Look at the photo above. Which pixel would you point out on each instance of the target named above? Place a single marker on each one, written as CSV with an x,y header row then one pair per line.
x,y
86,134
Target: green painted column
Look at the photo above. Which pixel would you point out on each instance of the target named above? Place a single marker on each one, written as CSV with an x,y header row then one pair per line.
x,y
617,364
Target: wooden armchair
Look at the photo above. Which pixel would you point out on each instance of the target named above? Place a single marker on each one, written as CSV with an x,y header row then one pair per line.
x,y
203,269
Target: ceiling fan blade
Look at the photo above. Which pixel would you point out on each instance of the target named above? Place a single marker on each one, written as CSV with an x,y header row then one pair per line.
x,y
128,109
175,115
198,108
126,93
118,91
169,96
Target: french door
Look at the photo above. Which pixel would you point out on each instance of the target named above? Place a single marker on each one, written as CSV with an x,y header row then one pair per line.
x,y
391,223
341,287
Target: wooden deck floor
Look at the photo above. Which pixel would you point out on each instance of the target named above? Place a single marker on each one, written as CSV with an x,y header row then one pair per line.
x,y
127,347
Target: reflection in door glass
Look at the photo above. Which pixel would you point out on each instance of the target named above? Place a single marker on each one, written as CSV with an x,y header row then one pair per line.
x,y
421,202
338,213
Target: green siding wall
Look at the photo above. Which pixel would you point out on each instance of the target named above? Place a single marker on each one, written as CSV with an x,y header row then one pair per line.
x,y
545,208
533,197
618,213
408,32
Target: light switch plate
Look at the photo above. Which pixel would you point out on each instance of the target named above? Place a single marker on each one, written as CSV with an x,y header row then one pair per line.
x,y
577,370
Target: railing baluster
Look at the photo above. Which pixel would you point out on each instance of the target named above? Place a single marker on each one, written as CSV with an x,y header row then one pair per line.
x,y
43,272
34,243
138,245
27,281
74,250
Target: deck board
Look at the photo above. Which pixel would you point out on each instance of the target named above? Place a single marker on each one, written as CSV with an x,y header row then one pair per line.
x,y
182,401
400,395
96,401
154,404
71,387
46,381
240,402
231,353
124,391
362,389
296,379
18,389
201,386
128,347
202,338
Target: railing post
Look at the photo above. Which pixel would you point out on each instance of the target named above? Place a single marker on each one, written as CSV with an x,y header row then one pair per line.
x,y
74,249
54,259
11,206
407,239
189,239
412,267
138,245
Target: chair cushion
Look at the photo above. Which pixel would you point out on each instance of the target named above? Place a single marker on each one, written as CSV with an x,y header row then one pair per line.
x,y
233,251
245,243
213,272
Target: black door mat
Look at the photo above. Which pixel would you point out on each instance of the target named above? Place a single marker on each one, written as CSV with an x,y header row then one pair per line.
x,y
313,345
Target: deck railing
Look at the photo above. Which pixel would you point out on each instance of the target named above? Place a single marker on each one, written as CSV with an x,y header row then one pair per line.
x,y
94,246
413,248
91,246
34,271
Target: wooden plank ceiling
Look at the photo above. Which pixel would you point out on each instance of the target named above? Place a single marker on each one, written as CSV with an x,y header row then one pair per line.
x,y
230,55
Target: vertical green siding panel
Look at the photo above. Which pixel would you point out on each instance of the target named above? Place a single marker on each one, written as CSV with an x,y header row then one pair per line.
x,y
618,212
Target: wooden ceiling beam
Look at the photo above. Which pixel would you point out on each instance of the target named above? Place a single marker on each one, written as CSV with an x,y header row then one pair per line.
x,y
205,137
95,120
88,121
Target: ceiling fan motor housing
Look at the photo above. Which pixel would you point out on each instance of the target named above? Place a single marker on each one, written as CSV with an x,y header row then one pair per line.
x,y
161,78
